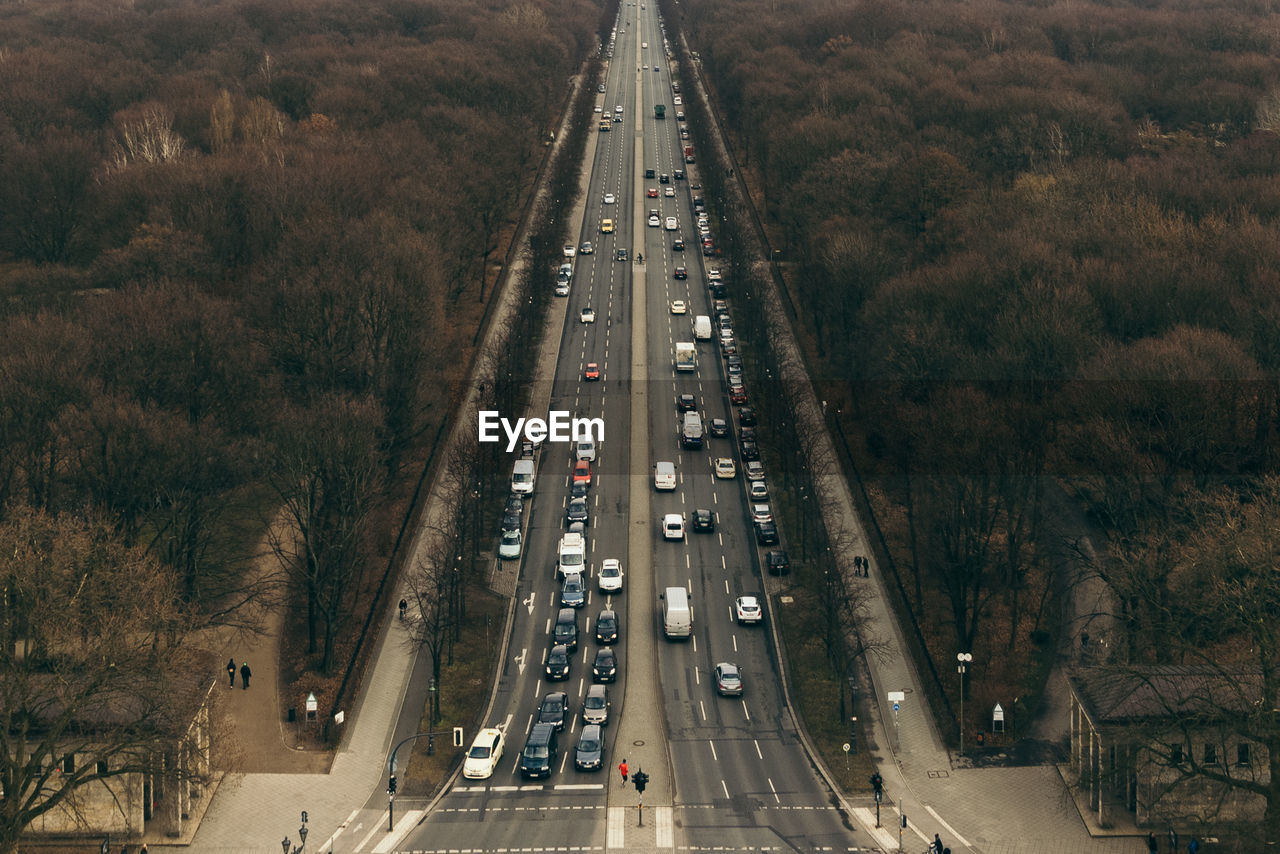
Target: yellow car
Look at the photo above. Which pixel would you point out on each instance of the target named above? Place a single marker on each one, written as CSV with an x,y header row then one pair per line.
x,y
606,226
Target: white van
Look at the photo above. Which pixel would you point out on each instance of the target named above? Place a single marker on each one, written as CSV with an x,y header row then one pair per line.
x,y
677,613
664,476
673,527
573,555
586,449
522,477
702,327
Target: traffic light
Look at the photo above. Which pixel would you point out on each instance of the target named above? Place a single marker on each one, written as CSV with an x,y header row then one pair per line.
x,y
391,785
877,783
641,780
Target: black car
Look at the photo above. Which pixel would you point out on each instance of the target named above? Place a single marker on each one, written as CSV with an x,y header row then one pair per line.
x,y
605,668
718,428
510,522
558,663
621,254
577,511
679,173
777,562
554,709
747,434
579,489
648,173
681,273
664,178
718,290
607,627
747,416
704,520
686,403
513,506
766,533
750,452
677,245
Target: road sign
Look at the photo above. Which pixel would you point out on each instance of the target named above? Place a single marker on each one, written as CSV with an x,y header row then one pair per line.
x,y
897,696
895,707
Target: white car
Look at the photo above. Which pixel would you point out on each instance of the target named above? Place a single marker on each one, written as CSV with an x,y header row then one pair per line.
x,y
669,191
672,225
725,468
673,527
609,198
509,547
484,755
747,610
654,222
611,576
570,251
758,489
676,99
678,306
588,315
599,109
761,513
713,274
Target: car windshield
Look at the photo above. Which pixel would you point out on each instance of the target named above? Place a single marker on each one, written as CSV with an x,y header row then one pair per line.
x,y
594,703
589,745
608,624
479,752
551,707
536,752
511,536
557,658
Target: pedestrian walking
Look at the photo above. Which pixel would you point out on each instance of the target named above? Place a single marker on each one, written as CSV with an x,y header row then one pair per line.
x,y
1152,845
404,606
1173,841
245,673
1193,847
622,769
231,673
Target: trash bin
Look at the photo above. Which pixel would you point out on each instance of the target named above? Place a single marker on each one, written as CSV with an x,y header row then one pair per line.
x,y
293,714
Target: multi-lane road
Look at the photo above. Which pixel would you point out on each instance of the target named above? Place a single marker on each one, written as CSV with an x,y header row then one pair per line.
x,y
729,773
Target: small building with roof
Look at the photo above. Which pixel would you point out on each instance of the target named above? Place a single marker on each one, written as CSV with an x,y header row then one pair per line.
x,y
1171,745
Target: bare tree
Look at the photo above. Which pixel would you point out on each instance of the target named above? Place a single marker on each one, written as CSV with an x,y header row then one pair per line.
x,y
1199,603
432,617
97,672
327,474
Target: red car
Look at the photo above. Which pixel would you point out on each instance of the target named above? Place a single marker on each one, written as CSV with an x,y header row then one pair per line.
x,y
582,472
737,395
592,371
652,192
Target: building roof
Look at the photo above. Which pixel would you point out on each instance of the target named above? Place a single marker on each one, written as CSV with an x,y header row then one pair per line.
x,y
1115,695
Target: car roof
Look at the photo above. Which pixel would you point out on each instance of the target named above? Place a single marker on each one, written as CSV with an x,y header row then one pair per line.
x,y
670,516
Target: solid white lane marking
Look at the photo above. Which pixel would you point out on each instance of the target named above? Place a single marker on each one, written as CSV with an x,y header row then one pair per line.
x,y
951,830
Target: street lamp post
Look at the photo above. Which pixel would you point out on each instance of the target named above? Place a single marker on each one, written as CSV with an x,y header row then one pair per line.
x,y
963,658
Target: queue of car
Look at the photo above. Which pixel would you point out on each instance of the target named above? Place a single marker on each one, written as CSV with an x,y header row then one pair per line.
x,y
538,758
